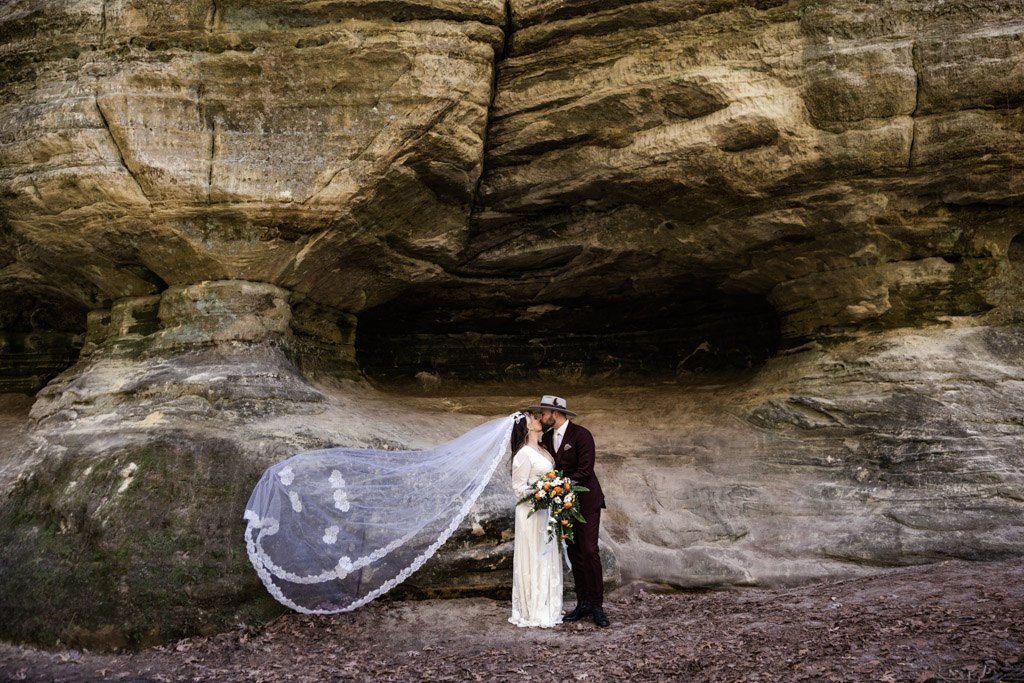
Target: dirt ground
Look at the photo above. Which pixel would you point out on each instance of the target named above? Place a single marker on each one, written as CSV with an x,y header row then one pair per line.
x,y
954,621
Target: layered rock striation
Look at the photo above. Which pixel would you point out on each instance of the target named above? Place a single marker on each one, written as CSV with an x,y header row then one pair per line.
x,y
772,251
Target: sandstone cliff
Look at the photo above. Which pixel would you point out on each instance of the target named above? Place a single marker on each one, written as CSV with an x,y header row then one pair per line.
x,y
772,251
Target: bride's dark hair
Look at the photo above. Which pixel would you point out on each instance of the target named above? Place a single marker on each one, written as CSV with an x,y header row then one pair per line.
x,y
519,432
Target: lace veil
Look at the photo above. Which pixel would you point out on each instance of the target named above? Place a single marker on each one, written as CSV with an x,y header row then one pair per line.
x,y
330,530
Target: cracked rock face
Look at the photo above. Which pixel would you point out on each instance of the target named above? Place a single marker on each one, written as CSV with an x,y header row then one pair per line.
x,y
772,251
148,144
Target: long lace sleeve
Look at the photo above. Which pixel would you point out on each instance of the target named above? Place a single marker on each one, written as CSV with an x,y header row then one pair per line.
x,y
521,473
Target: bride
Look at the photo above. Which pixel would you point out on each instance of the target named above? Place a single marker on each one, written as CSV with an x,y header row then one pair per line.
x,y
536,564
332,529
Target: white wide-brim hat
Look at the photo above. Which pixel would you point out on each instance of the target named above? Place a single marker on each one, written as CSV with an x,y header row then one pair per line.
x,y
553,403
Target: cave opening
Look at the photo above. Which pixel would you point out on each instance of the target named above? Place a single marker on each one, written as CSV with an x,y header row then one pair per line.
x,y
484,337
41,334
1016,250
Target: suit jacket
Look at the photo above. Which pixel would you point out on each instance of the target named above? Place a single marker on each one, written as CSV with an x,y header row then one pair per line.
x,y
575,458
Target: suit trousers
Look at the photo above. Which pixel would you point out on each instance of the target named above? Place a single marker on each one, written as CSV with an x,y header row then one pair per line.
x,y
586,560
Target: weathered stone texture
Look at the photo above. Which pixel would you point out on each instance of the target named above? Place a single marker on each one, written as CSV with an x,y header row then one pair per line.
x,y
758,145
772,251
178,143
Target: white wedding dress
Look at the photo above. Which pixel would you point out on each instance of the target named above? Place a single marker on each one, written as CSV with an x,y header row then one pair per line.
x,y
536,564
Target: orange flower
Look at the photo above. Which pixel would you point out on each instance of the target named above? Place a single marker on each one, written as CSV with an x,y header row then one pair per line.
x,y
558,490
547,486
568,504
564,536
539,496
551,475
565,522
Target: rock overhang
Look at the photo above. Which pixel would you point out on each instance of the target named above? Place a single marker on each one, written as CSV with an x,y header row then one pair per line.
x,y
829,190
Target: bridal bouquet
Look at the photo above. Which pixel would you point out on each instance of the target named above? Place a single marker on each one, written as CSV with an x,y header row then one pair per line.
x,y
556,493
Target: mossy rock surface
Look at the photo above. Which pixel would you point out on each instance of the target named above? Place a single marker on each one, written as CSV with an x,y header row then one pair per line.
x,y
142,535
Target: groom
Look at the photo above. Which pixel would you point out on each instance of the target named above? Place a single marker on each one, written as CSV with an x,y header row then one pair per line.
x,y
573,448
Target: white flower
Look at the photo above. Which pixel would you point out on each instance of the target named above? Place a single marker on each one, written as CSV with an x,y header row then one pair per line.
x,y
558,500
344,567
337,481
287,475
331,535
296,503
341,500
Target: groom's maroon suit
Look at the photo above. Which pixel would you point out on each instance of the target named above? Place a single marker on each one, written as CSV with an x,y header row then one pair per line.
x,y
575,458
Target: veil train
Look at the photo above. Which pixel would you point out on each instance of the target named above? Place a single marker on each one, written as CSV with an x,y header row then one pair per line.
x,y
330,530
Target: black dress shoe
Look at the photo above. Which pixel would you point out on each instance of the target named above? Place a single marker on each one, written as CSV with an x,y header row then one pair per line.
x,y
583,609
600,619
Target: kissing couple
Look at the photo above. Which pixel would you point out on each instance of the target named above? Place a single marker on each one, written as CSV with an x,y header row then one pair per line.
x,y
332,529
544,440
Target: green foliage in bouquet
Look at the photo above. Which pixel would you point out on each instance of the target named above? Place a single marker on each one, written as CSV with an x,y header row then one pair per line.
x,y
557,494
